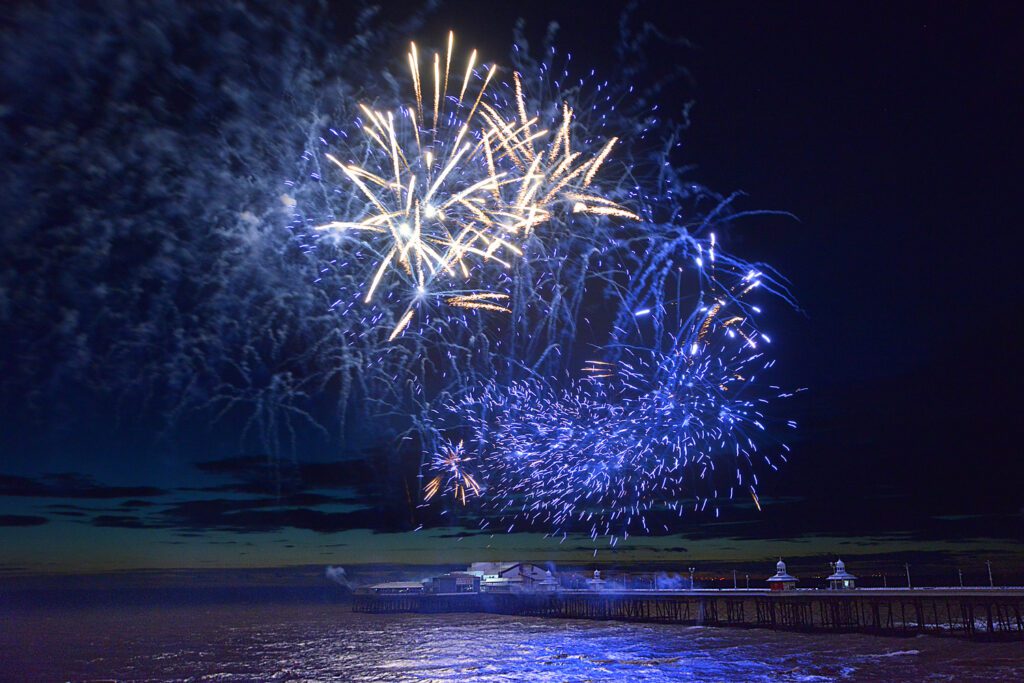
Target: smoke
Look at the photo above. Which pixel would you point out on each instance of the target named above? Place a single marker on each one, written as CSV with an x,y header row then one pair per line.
x,y
665,581
146,268
338,576
608,584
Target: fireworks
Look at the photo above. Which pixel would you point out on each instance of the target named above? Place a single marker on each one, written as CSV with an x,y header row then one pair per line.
x,y
480,197
454,477
453,182
635,440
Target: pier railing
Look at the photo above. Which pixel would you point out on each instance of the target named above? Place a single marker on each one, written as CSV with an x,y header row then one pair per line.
x,y
991,614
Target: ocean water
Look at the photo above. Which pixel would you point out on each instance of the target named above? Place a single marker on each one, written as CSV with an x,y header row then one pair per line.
x,y
317,642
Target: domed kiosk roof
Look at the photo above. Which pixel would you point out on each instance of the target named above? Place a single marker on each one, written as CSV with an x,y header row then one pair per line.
x,y
841,573
781,575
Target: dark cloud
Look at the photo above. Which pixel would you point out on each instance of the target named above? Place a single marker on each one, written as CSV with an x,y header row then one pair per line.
x,y
121,522
243,466
288,494
70,485
881,514
277,495
262,475
467,533
859,543
270,495
22,520
249,515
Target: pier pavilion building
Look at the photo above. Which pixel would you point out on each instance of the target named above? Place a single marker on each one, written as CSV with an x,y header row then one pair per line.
x,y
781,581
841,580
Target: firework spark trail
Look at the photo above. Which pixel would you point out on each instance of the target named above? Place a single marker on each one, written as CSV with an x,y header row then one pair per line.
x,y
467,190
543,289
474,219
632,440
453,478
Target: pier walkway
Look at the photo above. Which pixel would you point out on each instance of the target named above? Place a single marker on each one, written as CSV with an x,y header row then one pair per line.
x,y
982,614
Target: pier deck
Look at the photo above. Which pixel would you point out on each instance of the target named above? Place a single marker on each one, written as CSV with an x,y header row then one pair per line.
x,y
989,614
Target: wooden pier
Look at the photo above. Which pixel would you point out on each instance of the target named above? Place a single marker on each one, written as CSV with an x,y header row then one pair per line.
x,y
993,614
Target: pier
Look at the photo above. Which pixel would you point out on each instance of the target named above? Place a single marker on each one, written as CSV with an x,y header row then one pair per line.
x,y
980,614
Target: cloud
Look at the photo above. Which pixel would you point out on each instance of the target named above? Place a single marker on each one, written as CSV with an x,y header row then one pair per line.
x,y
253,516
263,475
22,520
263,514
465,533
121,522
260,495
70,485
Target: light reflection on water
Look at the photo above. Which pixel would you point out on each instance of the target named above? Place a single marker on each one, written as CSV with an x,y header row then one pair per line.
x,y
327,642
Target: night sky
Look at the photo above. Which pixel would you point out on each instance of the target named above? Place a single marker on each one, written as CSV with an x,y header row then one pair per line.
x,y
892,134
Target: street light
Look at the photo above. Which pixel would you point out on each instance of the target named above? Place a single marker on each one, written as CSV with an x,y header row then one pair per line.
x,y
907,567
991,584
691,578
734,586
748,581
960,572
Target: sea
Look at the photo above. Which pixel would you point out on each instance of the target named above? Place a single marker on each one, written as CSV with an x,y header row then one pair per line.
x,y
327,642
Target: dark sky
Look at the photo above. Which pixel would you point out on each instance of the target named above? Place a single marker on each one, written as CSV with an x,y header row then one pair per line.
x,y
891,132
